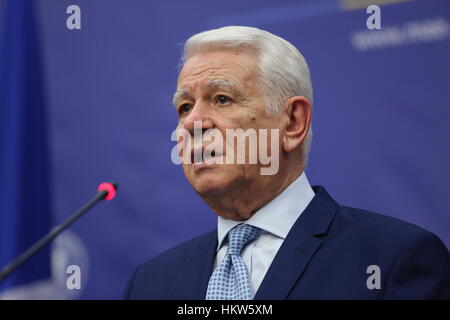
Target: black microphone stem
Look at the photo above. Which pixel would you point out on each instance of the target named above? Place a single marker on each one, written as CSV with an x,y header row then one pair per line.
x,y
8,269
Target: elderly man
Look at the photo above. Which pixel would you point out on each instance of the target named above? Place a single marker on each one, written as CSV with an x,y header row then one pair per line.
x,y
277,237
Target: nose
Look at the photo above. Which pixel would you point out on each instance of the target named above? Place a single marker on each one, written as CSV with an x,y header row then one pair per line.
x,y
200,114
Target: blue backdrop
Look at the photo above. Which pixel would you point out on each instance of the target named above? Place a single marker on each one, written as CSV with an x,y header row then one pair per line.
x,y
381,118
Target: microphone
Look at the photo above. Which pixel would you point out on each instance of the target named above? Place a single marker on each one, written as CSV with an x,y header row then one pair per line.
x,y
106,190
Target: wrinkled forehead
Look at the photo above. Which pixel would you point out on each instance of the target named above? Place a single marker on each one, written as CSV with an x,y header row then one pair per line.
x,y
233,66
230,70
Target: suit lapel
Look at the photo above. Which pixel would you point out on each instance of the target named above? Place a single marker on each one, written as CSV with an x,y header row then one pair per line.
x,y
206,253
298,248
288,265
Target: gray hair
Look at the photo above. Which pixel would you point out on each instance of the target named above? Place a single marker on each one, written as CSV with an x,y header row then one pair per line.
x,y
283,70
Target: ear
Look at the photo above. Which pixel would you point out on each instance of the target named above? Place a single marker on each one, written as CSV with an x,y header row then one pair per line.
x,y
298,112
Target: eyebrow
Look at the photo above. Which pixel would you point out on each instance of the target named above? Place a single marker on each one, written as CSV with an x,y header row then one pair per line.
x,y
215,83
221,83
178,94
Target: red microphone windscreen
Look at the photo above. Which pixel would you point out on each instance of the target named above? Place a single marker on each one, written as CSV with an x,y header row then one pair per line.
x,y
110,188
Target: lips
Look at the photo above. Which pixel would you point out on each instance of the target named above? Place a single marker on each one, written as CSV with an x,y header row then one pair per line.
x,y
198,156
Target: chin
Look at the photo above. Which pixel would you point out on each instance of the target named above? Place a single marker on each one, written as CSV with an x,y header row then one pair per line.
x,y
210,185
212,181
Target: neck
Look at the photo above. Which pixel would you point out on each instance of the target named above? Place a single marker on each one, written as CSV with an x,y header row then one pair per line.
x,y
243,201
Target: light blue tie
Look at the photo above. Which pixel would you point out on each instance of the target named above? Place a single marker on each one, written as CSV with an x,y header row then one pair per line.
x,y
230,280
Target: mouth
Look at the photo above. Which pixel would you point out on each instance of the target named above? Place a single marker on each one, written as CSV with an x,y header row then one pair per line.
x,y
201,159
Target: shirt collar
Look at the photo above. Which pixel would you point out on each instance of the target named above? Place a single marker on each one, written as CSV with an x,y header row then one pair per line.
x,y
278,215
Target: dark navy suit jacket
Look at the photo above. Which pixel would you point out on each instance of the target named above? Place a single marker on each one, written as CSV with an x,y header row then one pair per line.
x,y
325,256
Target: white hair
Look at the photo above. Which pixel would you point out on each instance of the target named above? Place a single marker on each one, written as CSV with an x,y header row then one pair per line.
x,y
283,70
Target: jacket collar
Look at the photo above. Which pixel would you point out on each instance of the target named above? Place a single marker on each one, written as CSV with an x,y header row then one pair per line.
x,y
299,247
293,257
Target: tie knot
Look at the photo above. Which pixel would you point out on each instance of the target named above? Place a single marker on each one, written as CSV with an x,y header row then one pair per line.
x,y
240,236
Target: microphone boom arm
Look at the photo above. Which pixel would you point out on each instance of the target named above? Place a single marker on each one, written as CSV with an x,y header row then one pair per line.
x,y
12,266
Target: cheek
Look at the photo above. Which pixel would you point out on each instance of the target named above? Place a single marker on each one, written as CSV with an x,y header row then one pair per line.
x,y
240,115
186,170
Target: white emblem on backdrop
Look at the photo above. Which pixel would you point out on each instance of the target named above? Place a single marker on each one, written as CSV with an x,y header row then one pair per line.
x,y
70,265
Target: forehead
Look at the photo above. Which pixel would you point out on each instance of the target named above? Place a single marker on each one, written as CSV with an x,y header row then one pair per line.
x,y
233,66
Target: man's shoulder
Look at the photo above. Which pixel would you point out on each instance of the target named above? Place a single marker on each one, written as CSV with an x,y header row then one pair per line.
x,y
175,273
181,252
414,262
379,228
360,226
367,218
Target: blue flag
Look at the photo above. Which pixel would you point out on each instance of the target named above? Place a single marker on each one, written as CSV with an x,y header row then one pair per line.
x,y
25,210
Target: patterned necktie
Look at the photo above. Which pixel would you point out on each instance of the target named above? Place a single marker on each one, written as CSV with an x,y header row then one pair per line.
x,y
230,280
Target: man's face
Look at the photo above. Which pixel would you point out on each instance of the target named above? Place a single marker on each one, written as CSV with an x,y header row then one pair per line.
x,y
220,90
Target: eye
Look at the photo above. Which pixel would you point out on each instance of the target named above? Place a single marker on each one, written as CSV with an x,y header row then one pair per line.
x,y
184,108
221,99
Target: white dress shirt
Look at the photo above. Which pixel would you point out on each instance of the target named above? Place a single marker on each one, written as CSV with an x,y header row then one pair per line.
x,y
276,218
